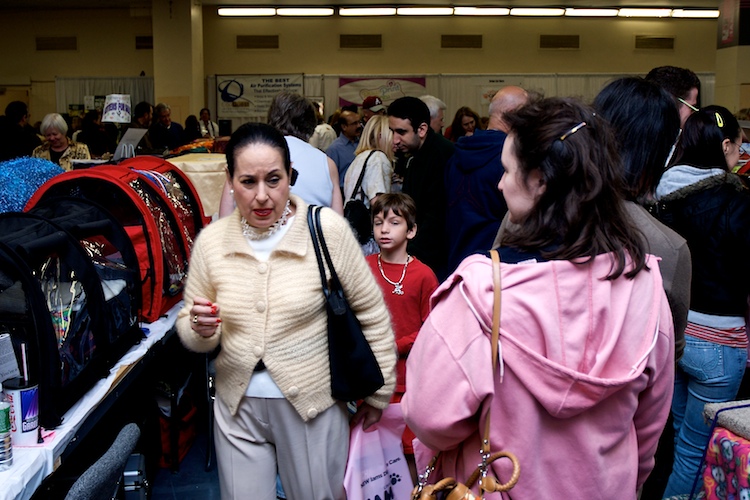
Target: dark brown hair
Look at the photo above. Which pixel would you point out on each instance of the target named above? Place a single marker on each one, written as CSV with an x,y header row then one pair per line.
x,y
399,203
580,214
457,129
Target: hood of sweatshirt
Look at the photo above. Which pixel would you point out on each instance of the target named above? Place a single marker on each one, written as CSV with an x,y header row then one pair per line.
x,y
476,151
572,337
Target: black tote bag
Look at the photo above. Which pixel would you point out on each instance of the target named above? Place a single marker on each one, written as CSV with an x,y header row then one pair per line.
x,y
355,373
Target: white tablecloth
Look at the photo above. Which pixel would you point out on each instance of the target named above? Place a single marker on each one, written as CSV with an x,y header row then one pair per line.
x,y
207,172
32,464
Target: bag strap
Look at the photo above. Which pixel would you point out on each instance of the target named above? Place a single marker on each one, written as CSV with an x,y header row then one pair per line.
x,y
361,177
316,245
332,288
496,286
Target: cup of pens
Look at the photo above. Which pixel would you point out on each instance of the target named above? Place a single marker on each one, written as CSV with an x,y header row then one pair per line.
x,y
24,406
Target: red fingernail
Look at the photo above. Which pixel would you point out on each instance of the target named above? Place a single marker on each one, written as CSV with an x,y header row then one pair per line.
x,y
214,309
218,320
210,304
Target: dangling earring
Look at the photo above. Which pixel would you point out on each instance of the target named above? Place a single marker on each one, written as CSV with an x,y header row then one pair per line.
x,y
231,191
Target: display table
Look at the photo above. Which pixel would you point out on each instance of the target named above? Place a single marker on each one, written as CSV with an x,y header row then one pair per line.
x,y
207,172
32,464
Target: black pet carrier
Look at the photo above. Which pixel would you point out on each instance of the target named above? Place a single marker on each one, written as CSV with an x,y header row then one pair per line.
x,y
109,247
62,313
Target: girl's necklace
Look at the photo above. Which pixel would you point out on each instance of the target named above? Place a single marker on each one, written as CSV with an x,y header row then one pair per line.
x,y
256,234
398,288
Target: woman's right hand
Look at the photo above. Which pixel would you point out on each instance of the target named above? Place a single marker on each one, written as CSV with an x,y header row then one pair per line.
x,y
205,317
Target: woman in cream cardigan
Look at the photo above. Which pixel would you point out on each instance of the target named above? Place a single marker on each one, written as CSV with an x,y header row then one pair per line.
x,y
254,288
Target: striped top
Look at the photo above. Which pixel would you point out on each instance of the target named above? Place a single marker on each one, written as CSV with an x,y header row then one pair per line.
x,y
730,337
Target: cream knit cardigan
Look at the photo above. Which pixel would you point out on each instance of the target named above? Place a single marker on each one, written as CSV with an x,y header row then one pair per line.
x,y
275,310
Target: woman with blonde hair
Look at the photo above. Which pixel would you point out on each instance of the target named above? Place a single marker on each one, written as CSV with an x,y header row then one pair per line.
x,y
375,151
58,148
371,172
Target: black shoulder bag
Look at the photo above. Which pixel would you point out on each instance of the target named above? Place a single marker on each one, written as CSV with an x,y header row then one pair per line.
x,y
355,372
356,212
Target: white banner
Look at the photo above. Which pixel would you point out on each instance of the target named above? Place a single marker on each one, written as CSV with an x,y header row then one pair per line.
x,y
250,96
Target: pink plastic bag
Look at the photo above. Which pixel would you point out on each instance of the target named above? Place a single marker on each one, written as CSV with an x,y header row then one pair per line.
x,y
376,468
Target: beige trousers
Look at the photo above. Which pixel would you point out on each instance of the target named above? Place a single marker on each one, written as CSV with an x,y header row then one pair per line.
x,y
268,435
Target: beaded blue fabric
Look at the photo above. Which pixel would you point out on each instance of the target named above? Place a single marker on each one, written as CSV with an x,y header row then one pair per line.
x,y
20,178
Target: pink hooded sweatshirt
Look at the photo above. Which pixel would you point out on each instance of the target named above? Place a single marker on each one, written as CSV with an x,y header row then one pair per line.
x,y
583,388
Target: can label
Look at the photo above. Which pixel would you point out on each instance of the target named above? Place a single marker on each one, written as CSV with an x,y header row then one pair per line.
x,y
4,417
24,415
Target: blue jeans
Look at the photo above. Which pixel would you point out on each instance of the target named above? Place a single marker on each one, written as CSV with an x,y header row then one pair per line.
x,y
707,373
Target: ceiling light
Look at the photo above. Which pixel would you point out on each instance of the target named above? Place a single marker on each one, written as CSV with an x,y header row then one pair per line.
x,y
424,11
645,12
326,11
536,12
480,11
367,11
695,14
235,11
591,12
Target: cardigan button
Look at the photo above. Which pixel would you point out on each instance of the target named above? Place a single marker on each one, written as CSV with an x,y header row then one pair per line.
x,y
260,306
294,391
312,413
258,351
262,268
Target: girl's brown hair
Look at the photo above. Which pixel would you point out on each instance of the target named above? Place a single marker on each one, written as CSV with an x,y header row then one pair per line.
x,y
580,214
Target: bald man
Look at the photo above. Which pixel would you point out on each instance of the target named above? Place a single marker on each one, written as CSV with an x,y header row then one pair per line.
x,y
475,206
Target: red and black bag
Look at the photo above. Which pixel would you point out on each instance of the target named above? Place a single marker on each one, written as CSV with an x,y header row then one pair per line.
x,y
157,206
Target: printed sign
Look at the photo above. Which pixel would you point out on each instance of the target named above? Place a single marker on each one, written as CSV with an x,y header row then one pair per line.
x,y
250,96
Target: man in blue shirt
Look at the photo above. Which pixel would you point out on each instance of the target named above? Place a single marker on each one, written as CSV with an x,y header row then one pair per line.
x,y
341,151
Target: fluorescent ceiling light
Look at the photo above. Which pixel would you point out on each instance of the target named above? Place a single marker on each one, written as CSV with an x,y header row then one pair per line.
x,y
480,11
236,11
536,12
590,12
645,12
424,11
326,11
367,11
695,14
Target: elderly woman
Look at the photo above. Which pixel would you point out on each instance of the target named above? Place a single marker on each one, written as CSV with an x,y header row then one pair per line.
x,y
585,377
710,208
58,148
254,288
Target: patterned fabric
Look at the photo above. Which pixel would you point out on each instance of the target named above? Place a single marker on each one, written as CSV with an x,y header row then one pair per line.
x,y
727,470
75,151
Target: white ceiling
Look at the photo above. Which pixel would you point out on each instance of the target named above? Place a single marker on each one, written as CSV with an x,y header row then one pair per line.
x,y
106,4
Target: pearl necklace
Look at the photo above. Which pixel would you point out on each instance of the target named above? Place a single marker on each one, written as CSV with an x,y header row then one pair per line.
x,y
398,288
255,234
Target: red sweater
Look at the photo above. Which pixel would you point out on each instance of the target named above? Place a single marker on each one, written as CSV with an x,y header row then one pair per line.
x,y
408,311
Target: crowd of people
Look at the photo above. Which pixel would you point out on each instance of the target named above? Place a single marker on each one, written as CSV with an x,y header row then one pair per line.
x,y
62,139
621,231
620,228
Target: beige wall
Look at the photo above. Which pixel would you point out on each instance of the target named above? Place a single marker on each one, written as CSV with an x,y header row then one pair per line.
x,y
106,46
412,45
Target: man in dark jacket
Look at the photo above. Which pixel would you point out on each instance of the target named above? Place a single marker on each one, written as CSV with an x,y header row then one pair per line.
x,y
424,178
475,205
17,137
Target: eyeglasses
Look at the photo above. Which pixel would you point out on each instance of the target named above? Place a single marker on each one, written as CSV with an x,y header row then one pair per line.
x,y
683,101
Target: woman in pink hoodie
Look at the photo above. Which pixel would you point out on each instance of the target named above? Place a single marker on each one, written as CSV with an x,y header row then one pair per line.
x,y
584,383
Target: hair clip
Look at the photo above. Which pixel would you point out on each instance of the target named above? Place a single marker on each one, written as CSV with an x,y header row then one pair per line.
x,y
719,120
572,131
